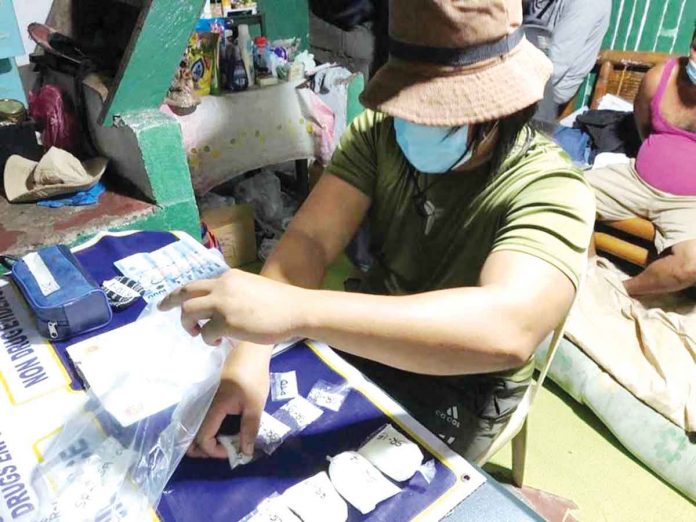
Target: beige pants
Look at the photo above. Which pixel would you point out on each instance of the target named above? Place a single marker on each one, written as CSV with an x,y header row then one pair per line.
x,y
622,194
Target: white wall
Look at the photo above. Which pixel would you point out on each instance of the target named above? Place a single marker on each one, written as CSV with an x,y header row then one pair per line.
x,y
29,11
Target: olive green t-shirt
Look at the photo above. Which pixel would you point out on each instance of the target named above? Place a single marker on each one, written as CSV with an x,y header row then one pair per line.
x,y
538,203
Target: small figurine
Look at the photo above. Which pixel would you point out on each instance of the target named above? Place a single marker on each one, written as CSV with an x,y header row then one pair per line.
x,y
181,97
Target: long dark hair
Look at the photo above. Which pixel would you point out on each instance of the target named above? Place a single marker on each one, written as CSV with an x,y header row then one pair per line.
x,y
510,129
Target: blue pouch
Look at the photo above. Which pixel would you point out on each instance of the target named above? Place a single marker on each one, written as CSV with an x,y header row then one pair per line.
x,y
64,299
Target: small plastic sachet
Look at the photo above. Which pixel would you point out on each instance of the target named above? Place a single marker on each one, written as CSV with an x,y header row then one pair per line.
x,y
235,456
298,414
393,454
359,482
283,386
271,435
329,395
428,470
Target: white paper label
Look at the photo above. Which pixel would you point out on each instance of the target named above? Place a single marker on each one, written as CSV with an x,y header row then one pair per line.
x,y
44,278
284,386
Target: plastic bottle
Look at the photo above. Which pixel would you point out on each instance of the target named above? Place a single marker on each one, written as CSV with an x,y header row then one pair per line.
x,y
207,11
237,76
246,48
216,8
261,65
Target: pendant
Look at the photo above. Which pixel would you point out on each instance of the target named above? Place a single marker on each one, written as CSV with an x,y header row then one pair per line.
x,y
431,214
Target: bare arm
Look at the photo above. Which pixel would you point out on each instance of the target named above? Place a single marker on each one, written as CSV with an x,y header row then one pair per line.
x,y
318,233
641,105
492,327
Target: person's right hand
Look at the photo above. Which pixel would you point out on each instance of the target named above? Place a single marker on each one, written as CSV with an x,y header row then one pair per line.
x,y
243,391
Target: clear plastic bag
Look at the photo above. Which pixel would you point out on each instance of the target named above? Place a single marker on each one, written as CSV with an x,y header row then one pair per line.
x,y
114,457
263,191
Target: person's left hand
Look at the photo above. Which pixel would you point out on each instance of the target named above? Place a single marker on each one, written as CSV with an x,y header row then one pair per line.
x,y
239,305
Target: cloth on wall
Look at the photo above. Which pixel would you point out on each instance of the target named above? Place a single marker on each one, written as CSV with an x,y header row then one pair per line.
x,y
331,85
648,346
232,134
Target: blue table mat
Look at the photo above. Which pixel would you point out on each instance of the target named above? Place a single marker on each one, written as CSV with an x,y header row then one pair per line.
x,y
207,490
210,486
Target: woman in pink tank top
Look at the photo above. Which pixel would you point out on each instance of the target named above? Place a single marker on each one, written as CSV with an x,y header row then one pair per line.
x,y
667,157
661,185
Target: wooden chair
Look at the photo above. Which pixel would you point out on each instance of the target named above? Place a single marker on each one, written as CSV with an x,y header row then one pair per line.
x,y
516,429
620,73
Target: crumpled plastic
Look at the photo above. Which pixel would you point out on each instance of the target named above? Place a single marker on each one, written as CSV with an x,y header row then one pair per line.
x,y
78,199
98,468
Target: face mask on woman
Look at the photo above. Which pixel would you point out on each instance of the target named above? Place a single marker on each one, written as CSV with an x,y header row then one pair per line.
x,y
433,150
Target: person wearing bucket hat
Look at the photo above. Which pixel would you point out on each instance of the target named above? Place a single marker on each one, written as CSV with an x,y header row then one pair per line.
x,y
479,228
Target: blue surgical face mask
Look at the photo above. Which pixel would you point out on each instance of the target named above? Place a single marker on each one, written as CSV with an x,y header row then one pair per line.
x,y
691,71
433,150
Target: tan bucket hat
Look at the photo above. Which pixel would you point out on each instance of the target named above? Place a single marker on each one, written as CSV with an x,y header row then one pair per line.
x,y
58,172
457,62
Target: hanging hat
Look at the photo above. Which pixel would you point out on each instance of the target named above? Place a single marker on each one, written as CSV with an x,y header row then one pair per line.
x,y
456,62
58,172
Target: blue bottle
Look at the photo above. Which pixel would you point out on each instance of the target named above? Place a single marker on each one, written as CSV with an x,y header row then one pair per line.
x,y
237,77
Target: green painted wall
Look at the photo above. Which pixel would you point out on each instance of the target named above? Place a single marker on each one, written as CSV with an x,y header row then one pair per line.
x,y
648,25
651,25
155,55
286,18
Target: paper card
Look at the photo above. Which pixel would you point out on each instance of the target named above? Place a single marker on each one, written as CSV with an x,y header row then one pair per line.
x,y
284,386
143,368
172,266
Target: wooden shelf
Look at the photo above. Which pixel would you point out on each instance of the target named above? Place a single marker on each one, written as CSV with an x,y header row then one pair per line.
x,y
26,227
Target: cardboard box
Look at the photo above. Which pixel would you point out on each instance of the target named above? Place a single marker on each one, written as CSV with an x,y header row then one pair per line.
x,y
233,227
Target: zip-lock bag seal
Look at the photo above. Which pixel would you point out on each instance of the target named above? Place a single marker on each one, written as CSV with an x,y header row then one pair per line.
x,y
63,297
